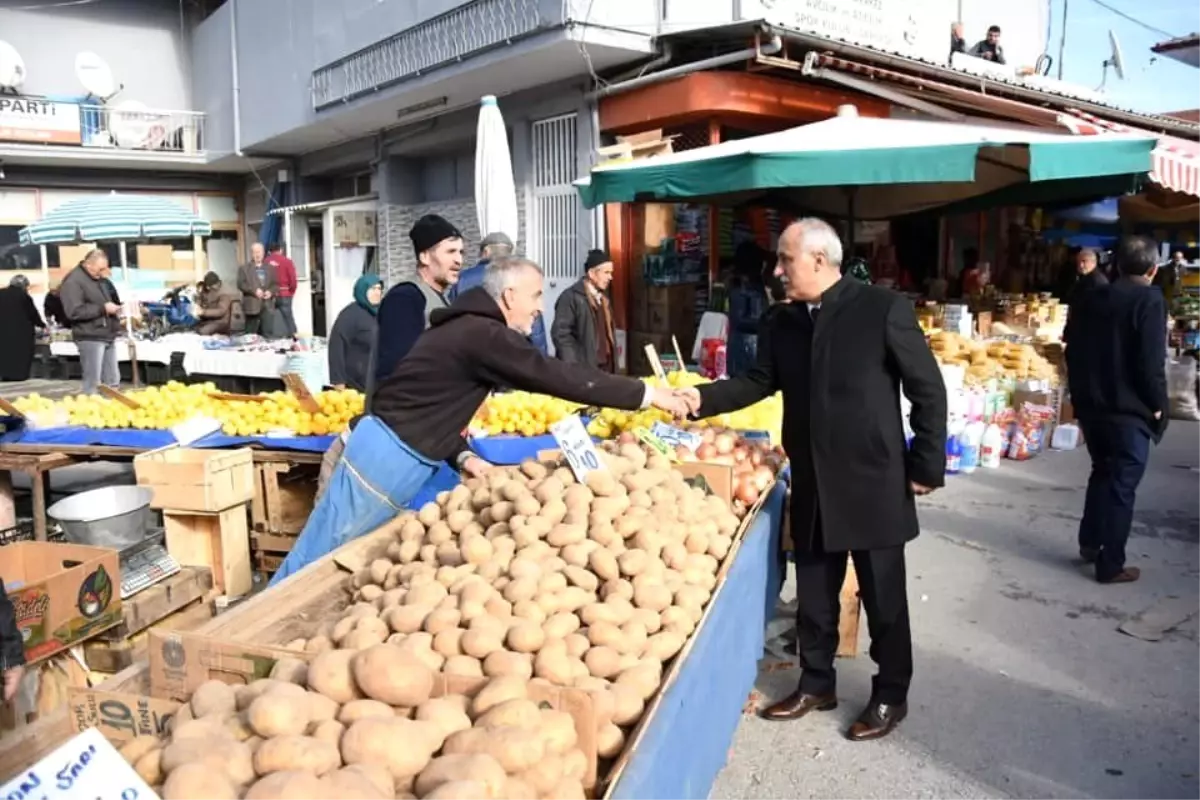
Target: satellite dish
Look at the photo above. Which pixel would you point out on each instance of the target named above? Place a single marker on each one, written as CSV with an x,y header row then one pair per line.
x,y
93,72
1116,60
12,67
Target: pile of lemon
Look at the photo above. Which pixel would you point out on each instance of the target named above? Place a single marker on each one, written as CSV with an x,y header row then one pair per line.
x,y
520,413
163,407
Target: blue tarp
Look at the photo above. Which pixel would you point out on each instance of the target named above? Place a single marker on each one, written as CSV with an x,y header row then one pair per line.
x,y
148,440
686,742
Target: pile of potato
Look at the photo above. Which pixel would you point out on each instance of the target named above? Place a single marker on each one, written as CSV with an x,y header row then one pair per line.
x,y
362,725
531,574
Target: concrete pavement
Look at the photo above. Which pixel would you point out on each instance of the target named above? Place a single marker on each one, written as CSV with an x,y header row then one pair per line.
x,y
1024,687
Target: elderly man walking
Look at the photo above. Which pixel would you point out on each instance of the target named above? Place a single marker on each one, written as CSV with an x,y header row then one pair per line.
x,y
841,352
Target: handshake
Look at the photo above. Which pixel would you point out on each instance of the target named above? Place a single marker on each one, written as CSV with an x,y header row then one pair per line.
x,y
680,403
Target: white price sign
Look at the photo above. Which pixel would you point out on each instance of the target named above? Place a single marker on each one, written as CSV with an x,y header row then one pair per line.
x,y
576,445
672,436
87,767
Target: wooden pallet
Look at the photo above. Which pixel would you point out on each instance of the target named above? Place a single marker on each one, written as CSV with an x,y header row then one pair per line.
x,y
284,495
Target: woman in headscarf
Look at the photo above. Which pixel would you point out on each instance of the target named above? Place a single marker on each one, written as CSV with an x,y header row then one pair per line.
x,y
19,323
353,335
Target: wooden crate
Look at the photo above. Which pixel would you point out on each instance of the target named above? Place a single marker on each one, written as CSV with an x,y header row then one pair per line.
x,y
270,549
186,479
284,495
219,541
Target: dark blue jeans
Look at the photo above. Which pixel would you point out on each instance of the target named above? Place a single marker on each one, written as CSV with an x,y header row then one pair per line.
x,y
1119,452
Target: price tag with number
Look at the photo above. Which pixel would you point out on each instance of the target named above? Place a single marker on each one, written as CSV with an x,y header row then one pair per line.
x,y
577,446
658,445
672,436
87,767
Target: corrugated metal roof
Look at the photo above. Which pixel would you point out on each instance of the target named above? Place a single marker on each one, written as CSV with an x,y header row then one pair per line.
x,y
1178,43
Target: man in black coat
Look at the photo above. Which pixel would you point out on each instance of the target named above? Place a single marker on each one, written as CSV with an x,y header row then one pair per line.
x,y
583,330
1116,371
842,352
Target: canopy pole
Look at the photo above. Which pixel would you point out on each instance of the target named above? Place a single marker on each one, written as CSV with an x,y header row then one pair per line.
x,y
851,213
133,362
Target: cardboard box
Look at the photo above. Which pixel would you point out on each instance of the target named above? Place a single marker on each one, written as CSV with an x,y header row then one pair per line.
x,y
154,256
62,593
186,479
120,717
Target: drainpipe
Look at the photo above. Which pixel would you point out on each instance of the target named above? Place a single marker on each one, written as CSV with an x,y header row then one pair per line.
x,y
235,83
772,47
666,54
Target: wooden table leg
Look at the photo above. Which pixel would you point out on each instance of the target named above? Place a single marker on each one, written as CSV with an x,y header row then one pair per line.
x,y
8,510
39,483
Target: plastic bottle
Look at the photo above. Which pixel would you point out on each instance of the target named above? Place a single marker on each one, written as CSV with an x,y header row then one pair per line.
x,y
972,444
953,452
991,447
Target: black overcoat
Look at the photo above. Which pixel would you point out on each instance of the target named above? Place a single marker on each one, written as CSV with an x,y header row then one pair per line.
x,y
842,427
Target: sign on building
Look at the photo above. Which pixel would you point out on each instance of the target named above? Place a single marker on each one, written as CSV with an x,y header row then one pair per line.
x,y
28,119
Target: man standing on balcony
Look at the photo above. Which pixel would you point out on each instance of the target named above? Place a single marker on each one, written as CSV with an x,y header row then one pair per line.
x,y
285,273
258,284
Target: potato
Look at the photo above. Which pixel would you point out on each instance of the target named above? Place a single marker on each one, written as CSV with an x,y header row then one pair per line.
x,y
343,785
361,638
479,642
526,637
602,662
205,728
284,753
598,612
138,746
628,704
463,665
403,746
426,594
320,707
329,673
198,782
446,714
448,642
654,597
632,562
577,644
516,749
526,505
407,618
620,611
149,767
328,731
429,514
568,789
642,678
501,662
374,774
497,691
355,710
458,790
575,766
498,608
213,698
389,674
578,576
533,469
278,715
558,731
553,665
552,513
549,490
518,713
609,741
601,482
664,645
618,587
543,776
477,767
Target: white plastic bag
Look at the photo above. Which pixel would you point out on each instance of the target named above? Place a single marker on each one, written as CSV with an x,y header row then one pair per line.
x,y
1181,389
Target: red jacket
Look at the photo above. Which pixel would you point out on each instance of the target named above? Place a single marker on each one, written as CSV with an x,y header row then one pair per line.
x,y
285,269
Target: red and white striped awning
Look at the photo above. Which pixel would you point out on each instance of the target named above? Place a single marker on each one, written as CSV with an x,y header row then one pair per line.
x,y
1176,163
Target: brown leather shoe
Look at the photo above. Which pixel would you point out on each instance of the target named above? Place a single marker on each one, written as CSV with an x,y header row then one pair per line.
x,y
1127,575
797,704
876,721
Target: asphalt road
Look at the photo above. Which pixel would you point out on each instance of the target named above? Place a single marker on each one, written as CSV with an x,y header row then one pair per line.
x,y
1023,687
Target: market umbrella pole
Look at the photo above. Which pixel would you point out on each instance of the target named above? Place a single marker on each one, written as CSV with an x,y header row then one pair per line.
x,y
128,317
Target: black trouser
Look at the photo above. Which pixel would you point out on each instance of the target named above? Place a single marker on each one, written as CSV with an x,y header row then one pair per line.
x,y
882,584
1119,452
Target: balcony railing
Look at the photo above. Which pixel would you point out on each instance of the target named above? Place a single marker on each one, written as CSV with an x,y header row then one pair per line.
x,y
442,40
142,129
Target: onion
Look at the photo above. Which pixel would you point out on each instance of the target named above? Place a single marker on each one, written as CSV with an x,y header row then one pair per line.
x,y
746,491
741,453
725,443
763,477
756,456
625,437
708,434
742,467
684,454
706,452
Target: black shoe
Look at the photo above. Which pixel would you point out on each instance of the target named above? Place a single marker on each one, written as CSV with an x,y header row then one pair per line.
x,y
876,721
1089,554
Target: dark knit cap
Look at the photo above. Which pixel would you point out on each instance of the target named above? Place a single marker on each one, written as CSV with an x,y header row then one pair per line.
x,y
429,230
211,279
594,259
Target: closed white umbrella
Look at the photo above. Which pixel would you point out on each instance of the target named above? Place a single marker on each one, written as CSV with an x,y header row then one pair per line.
x,y
495,193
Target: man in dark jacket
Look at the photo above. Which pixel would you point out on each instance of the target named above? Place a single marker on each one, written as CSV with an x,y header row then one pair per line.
x,y
406,308
259,284
1090,276
12,647
583,322
989,49
91,303
1116,371
19,323
493,246
841,352
420,412
220,312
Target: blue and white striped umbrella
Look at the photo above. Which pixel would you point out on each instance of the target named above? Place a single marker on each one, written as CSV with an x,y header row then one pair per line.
x,y
115,217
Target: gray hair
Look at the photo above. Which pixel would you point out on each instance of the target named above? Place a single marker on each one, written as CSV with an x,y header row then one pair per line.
x,y
1089,254
497,250
818,236
502,273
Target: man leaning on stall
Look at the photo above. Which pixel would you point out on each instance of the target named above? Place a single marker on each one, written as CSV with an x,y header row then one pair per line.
x,y
420,411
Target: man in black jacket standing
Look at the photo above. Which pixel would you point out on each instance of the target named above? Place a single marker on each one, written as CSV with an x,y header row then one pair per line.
x,y
841,352
1116,371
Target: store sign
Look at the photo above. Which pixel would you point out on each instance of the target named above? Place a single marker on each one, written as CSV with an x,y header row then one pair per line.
x,y
915,28
28,119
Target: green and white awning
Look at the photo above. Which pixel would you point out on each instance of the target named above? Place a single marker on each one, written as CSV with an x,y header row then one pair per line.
x,y
908,164
115,217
